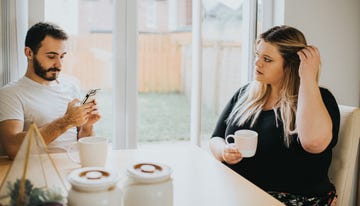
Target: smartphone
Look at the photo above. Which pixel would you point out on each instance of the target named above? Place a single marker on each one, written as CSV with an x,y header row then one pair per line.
x,y
90,96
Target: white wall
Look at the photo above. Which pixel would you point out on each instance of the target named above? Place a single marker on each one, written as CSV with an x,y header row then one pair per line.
x,y
36,11
333,26
55,9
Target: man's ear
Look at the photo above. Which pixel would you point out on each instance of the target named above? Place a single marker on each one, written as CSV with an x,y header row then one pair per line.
x,y
29,53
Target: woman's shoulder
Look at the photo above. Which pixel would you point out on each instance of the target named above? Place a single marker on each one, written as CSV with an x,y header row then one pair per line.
x,y
324,89
239,93
329,100
242,90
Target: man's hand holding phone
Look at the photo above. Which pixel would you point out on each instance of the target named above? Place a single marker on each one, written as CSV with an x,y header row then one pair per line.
x,y
87,111
83,115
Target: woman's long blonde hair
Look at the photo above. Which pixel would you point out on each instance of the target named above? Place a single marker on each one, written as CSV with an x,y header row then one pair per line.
x,y
289,41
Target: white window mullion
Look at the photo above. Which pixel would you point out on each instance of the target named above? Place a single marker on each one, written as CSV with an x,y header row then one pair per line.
x,y
267,17
125,74
248,39
196,83
119,75
131,74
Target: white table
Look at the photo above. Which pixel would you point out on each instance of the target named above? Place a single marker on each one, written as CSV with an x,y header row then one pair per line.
x,y
198,178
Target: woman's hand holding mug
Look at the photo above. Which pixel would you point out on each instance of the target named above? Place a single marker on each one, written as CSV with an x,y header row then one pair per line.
x,y
243,144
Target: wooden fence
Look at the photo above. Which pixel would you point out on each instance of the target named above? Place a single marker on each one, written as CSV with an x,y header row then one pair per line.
x,y
159,61
164,65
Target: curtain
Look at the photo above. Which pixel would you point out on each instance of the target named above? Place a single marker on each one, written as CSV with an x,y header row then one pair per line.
x,y
14,24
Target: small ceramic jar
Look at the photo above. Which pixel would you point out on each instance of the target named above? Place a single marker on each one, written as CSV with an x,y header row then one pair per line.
x,y
94,186
148,184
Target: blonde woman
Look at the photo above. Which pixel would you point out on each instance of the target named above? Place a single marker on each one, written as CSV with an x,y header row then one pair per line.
x,y
296,120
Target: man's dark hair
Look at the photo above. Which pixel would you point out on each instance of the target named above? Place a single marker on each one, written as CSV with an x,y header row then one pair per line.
x,y
37,33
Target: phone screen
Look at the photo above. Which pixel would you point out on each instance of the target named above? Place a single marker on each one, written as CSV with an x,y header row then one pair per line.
x,y
90,95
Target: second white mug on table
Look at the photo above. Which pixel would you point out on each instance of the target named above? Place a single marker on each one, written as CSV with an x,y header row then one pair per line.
x,y
92,151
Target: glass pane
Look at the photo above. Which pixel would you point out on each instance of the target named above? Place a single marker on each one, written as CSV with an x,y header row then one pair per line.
x,y
222,58
89,57
164,68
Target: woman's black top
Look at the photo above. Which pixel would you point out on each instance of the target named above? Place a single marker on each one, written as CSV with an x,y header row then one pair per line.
x,y
276,167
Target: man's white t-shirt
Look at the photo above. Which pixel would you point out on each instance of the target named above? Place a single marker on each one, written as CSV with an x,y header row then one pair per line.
x,y
29,101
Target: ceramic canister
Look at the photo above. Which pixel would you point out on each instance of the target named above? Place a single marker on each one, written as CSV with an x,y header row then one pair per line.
x,y
148,184
94,186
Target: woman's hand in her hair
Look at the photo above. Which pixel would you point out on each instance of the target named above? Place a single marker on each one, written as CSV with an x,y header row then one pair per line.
x,y
309,63
231,154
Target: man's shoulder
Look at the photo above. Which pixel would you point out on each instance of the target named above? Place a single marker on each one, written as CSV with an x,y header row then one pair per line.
x,y
10,97
13,86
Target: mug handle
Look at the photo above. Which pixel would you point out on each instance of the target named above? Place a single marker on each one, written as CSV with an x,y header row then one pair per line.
x,y
77,160
229,136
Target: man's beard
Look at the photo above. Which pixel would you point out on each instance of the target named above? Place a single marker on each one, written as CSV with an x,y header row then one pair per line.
x,y
41,71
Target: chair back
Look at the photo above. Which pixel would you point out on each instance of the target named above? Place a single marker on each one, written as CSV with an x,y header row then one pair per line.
x,y
343,170
2,151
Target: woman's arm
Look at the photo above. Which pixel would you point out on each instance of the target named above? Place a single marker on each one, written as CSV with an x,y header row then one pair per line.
x,y
218,148
223,152
313,121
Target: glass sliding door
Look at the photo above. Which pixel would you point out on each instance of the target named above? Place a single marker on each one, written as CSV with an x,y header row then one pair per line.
x,y
227,38
164,68
89,58
144,64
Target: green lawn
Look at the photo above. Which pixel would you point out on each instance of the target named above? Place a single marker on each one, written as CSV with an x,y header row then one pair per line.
x,y
161,117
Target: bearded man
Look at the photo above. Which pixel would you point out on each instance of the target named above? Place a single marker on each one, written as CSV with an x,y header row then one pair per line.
x,y
42,97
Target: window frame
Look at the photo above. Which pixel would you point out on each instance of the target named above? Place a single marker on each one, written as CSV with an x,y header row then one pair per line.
x,y
125,96
125,75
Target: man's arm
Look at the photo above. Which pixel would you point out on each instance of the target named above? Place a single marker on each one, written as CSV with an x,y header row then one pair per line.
x,y
12,134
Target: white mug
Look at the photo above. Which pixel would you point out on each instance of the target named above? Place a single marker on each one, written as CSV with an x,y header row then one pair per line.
x,y
92,151
245,140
